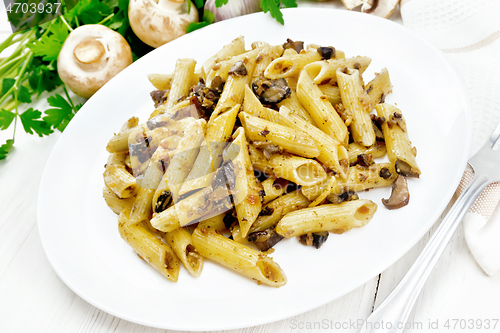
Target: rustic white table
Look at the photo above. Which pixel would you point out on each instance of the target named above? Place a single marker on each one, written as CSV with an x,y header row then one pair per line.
x,y
34,299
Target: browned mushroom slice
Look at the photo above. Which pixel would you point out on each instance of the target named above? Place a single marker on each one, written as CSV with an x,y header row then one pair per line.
x,y
268,148
290,44
326,52
315,239
264,240
400,196
271,91
238,69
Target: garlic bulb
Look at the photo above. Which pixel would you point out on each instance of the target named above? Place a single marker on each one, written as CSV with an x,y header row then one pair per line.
x,y
233,8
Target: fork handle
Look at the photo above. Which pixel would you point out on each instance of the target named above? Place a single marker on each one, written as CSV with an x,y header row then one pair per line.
x,y
396,308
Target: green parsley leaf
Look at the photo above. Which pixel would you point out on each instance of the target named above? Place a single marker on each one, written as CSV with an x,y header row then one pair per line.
x,y
289,3
208,18
199,3
6,148
50,44
273,8
59,116
220,3
89,12
31,120
7,83
6,118
42,77
23,95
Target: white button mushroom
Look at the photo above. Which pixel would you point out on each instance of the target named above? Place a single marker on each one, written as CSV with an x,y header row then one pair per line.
x,y
382,8
91,55
157,22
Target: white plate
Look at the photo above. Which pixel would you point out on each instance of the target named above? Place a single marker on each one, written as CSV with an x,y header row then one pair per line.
x,y
79,233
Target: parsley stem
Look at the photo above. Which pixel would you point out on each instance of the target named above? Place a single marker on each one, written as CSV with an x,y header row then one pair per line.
x,y
69,98
107,18
66,23
20,57
16,84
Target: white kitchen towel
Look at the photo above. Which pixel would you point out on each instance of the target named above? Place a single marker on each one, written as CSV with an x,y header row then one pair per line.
x,y
468,32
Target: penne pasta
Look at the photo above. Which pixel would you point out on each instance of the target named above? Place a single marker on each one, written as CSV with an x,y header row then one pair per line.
x,y
357,101
291,140
246,187
326,71
148,247
238,257
301,171
399,149
333,217
181,242
320,109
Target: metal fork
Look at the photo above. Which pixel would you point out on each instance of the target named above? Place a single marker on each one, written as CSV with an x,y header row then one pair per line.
x,y
397,307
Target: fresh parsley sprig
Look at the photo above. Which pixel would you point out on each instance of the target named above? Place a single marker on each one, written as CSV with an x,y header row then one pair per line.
x,y
31,68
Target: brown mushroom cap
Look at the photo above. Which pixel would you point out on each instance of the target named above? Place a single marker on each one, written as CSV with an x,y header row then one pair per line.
x,y
400,196
91,55
158,22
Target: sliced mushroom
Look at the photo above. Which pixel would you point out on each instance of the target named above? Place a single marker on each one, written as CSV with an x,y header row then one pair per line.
x,y
327,52
271,91
91,55
268,148
238,69
290,44
382,8
400,196
315,239
264,240
157,22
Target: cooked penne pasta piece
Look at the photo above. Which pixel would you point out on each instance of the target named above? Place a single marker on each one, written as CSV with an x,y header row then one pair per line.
x,y
166,220
246,187
301,171
237,46
238,236
290,65
232,94
354,149
276,209
272,191
379,87
210,156
120,181
164,81
265,56
291,140
239,257
399,149
119,141
293,103
332,152
320,109
114,202
215,222
181,242
332,92
331,184
358,179
161,81
326,71
181,81
148,247
333,217
184,157
355,98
